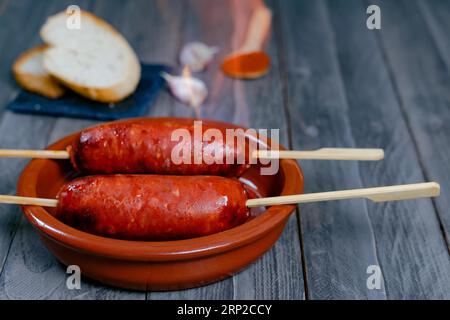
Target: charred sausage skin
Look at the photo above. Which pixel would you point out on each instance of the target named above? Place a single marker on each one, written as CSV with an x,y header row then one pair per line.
x,y
152,207
144,147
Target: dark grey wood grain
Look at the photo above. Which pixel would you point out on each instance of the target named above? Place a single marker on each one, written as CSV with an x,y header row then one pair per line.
x,y
161,45
17,37
424,85
17,131
332,83
338,238
32,272
256,104
40,275
411,250
191,23
422,78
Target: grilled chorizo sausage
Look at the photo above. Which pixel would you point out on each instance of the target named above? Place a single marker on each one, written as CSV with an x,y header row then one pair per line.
x,y
152,207
146,147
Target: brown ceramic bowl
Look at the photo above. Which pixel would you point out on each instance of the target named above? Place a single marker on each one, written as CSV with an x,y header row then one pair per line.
x,y
167,265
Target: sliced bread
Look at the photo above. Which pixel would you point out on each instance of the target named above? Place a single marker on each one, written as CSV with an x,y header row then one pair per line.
x,y
29,72
95,61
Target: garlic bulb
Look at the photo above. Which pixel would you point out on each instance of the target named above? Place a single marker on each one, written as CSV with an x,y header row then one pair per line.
x,y
197,55
188,90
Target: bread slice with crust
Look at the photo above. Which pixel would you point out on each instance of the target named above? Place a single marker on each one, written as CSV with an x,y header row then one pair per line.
x,y
95,61
29,72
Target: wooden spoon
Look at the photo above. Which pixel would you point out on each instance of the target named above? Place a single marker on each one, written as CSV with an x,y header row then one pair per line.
x,y
250,62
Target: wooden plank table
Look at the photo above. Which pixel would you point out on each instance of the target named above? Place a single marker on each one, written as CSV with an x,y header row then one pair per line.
x,y
333,83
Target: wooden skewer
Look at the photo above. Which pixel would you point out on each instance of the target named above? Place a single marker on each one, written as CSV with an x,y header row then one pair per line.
x,y
28,201
42,154
320,154
323,154
379,194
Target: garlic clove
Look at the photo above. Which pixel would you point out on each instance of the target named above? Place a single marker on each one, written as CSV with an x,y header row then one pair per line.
x,y
197,55
188,90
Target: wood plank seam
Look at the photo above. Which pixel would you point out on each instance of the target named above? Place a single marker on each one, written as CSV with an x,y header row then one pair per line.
x,y
363,67
342,83
426,14
407,120
14,231
13,235
279,41
16,226
52,123
5,55
341,283
376,249
179,45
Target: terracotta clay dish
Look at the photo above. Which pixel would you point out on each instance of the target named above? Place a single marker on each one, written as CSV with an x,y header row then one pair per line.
x,y
164,265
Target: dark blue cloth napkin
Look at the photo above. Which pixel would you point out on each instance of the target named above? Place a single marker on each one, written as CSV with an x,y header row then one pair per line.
x,y
73,105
